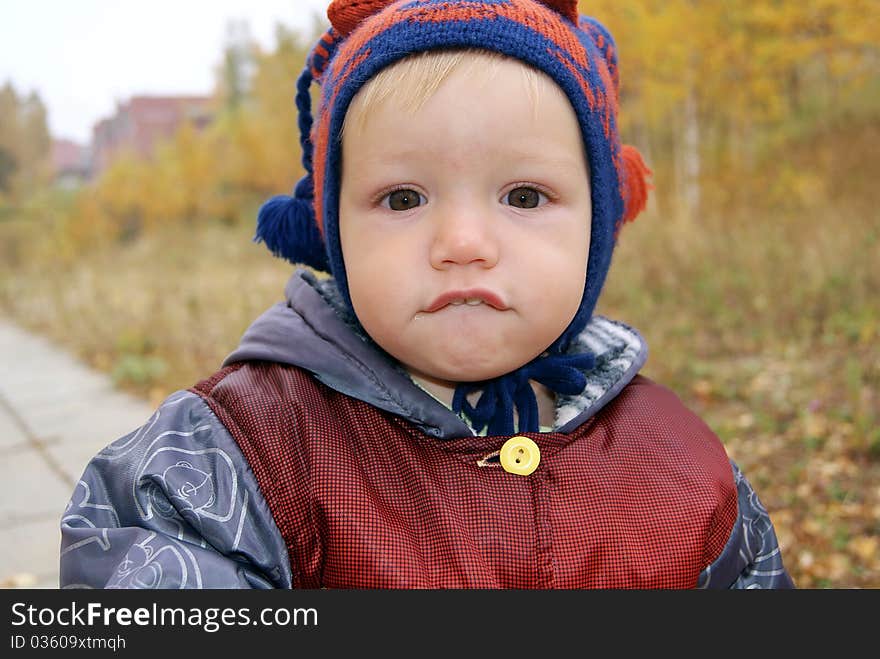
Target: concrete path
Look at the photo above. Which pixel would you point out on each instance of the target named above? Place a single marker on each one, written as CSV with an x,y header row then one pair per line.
x,y
55,414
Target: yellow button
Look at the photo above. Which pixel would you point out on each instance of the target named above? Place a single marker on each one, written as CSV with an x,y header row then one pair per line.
x,y
520,455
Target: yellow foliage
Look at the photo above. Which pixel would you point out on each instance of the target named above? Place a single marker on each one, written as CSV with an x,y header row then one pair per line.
x,y
711,90
249,152
739,57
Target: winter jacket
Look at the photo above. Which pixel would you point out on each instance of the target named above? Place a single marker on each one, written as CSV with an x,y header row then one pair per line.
x,y
311,459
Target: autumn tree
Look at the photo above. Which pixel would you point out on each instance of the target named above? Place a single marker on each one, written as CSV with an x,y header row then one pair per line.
x,y
24,142
264,135
250,150
711,86
237,67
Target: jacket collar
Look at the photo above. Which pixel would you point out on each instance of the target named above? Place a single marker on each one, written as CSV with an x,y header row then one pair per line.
x,y
314,331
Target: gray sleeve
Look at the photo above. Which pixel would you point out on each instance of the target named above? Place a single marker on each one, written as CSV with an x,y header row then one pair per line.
x,y
751,557
173,504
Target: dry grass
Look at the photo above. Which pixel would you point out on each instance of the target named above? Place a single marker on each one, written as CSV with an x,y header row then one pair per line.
x,y
157,314
771,332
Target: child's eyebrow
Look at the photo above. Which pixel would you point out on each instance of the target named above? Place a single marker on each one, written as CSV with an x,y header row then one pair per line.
x,y
394,155
547,159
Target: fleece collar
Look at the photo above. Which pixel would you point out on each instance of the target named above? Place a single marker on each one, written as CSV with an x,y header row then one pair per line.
x,y
314,331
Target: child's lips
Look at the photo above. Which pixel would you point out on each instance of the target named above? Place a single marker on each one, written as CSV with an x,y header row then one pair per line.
x,y
470,296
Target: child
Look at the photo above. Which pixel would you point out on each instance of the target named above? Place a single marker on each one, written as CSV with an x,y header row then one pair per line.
x,y
445,410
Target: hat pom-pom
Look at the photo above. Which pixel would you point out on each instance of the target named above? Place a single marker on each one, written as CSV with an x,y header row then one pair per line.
x,y
636,185
287,225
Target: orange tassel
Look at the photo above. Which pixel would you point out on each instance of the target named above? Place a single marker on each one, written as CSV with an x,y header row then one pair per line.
x,y
568,8
636,185
346,15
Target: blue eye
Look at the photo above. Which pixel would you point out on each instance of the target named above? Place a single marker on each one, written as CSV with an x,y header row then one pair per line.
x,y
525,197
403,200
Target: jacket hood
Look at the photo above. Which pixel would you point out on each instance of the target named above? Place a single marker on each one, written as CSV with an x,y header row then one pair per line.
x,y
313,330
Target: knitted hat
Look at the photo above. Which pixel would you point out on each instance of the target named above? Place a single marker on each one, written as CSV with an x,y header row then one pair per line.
x,y
576,52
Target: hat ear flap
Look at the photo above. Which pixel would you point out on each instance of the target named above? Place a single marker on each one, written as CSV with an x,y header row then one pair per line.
x,y
568,8
346,15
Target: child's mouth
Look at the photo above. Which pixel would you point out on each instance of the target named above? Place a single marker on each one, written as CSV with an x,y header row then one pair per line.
x,y
470,297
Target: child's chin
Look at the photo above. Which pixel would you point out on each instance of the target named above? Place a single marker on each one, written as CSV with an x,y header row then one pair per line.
x,y
473,372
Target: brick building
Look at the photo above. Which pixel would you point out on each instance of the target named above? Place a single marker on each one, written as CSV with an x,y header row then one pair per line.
x,y
142,122
70,162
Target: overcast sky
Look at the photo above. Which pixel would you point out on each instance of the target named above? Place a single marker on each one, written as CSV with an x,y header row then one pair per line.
x,y
82,56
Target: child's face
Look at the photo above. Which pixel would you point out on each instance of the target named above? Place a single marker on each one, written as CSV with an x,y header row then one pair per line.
x,y
465,225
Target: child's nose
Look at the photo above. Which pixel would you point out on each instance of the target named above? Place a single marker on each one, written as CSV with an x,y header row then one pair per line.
x,y
464,236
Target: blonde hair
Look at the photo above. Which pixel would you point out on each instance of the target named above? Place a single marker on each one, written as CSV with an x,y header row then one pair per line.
x,y
414,79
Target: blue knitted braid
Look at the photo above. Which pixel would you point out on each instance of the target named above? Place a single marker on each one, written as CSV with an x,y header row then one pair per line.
x,y
563,374
287,224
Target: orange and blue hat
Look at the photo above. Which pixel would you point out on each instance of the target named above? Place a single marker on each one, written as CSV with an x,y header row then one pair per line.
x,y
575,51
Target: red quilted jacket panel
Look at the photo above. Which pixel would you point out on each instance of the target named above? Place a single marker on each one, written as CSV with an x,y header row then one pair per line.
x,y
640,496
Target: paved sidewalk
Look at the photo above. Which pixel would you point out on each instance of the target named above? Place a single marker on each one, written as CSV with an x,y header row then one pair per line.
x,y
55,414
